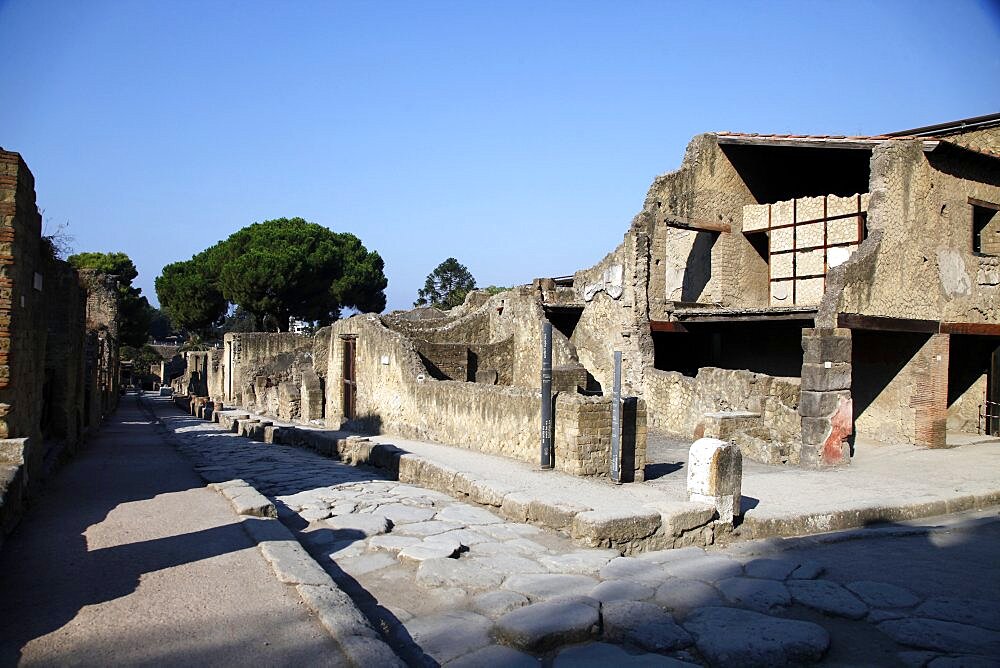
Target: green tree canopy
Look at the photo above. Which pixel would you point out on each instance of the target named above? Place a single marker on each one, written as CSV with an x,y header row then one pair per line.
x,y
135,311
189,295
273,271
446,286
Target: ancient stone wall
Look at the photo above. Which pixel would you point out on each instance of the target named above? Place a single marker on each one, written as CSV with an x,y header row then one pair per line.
x,y
65,366
102,318
494,419
703,267
503,333
987,139
614,314
274,357
917,261
682,405
56,380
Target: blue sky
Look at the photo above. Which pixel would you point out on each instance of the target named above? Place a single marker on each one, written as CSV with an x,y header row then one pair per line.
x,y
519,137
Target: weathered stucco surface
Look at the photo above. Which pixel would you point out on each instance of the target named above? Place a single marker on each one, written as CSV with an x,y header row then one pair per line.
x,y
918,260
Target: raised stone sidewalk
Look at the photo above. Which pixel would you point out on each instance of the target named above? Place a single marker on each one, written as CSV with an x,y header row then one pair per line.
x,y
883,484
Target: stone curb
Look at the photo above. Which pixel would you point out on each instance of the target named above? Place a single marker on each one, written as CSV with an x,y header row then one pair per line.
x,y
816,523
677,524
245,499
293,565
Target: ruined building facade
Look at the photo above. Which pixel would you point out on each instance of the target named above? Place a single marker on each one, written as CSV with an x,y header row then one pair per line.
x,y
58,346
800,296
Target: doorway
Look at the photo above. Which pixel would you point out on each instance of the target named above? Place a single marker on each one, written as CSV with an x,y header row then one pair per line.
x,y
350,380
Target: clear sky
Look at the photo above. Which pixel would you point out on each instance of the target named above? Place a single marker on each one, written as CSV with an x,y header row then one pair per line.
x,y
518,137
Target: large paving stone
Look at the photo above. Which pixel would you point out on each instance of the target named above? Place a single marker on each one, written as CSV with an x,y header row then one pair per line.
x,y
630,568
808,570
828,597
508,564
366,563
508,530
883,594
667,556
581,561
644,625
942,636
428,528
621,590
493,604
770,569
710,568
605,655
545,586
467,515
315,514
434,547
542,626
456,573
450,635
755,594
495,655
466,537
401,513
732,637
391,543
361,525
682,595
962,610
964,661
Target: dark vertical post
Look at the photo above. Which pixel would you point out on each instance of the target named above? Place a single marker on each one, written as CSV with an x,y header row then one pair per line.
x,y
546,455
616,422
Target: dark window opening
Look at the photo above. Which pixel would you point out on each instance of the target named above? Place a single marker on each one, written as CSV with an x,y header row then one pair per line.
x,y
773,348
564,320
779,173
985,229
759,241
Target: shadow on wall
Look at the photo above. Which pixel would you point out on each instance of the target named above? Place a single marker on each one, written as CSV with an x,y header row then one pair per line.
x,y
369,424
698,270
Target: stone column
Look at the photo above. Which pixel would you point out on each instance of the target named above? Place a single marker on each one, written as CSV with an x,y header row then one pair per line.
x,y
825,400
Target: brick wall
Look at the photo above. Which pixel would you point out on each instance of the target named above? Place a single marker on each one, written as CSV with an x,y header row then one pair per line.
x,y
930,392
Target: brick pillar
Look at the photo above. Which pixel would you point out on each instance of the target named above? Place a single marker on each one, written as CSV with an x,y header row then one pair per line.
x,y
929,400
825,401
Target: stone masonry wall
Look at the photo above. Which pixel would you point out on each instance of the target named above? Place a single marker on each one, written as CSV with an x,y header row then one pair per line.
x,y
494,419
917,261
51,369
65,366
679,405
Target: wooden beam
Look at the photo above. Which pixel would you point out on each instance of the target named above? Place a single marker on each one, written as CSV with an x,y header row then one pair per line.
x,y
884,324
976,328
984,204
666,326
804,316
697,225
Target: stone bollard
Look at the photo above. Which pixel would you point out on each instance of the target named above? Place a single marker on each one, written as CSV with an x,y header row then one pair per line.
x,y
715,476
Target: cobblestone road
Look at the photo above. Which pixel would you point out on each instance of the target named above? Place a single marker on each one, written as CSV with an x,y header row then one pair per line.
x,y
454,584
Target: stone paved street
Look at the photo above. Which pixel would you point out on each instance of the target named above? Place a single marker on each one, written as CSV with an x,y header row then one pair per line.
x,y
454,584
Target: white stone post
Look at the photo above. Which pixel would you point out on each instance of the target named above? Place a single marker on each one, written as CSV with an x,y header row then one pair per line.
x,y
715,476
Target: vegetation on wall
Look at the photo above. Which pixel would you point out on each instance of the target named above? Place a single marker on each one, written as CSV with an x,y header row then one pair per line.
x,y
136,313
